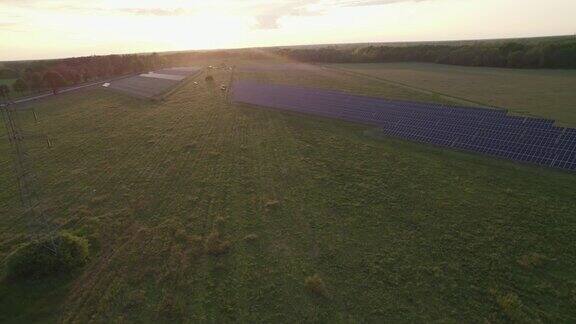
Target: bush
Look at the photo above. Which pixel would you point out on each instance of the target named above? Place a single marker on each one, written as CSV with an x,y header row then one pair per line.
x,y
215,244
532,260
35,260
513,308
315,285
250,237
209,79
20,86
8,74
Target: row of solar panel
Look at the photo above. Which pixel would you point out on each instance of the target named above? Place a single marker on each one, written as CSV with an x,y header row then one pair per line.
x,y
380,114
486,116
487,131
501,121
338,95
465,127
527,153
486,139
379,104
376,115
515,138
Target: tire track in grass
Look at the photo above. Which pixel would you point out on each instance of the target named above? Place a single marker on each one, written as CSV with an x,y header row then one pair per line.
x,y
89,285
148,175
218,119
83,141
279,124
170,149
103,183
451,98
269,161
203,152
102,279
247,269
45,156
291,145
243,257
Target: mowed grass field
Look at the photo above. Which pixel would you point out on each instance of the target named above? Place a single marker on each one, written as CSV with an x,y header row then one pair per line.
x,y
544,93
13,94
7,82
397,231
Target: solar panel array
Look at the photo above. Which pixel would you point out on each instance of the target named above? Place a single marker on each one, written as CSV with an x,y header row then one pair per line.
x,y
277,67
483,130
153,84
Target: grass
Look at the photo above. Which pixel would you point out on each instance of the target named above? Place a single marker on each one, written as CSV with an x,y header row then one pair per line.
x,y
543,93
400,232
315,285
14,94
8,82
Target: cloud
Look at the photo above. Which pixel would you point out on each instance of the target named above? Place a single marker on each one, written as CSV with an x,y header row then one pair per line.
x,y
360,3
266,13
92,7
273,11
7,25
269,14
154,11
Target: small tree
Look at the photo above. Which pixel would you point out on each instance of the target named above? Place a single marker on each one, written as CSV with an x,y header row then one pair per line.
x,y
34,80
35,260
8,74
20,86
54,80
4,90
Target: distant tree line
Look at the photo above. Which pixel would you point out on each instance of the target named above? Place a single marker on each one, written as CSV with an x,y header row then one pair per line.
x,y
555,55
43,75
36,76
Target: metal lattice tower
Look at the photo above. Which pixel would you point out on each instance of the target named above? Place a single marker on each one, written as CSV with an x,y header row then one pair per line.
x,y
28,184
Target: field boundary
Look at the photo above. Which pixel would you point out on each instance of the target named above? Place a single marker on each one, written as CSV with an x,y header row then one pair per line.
x,y
423,90
178,86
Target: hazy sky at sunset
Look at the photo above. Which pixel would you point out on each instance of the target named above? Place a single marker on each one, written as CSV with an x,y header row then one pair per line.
x,y
59,28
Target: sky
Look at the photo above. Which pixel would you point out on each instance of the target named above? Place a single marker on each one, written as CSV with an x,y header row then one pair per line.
x,y
35,29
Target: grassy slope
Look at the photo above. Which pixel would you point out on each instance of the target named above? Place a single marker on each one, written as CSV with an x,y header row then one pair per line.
x,y
14,94
398,231
7,81
545,93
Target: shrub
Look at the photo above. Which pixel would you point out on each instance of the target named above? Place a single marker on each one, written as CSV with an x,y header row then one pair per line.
x,y
209,79
315,285
532,260
513,308
251,237
54,80
20,86
272,204
215,244
35,260
219,223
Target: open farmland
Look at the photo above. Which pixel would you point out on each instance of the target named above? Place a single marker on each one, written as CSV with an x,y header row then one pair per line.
x,y
483,130
153,85
541,93
8,82
14,94
396,230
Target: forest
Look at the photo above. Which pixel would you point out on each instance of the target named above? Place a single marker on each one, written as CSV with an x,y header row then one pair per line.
x,y
557,54
41,75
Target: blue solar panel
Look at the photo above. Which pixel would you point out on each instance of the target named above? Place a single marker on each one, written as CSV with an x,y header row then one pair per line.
x,y
488,131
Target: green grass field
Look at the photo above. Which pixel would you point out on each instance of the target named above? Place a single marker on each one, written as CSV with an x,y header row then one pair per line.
x,y
398,232
543,93
8,82
13,94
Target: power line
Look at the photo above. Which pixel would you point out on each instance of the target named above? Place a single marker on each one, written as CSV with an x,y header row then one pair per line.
x,y
28,184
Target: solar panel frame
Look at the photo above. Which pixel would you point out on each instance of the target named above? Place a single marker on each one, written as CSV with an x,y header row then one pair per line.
x,y
484,130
